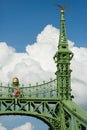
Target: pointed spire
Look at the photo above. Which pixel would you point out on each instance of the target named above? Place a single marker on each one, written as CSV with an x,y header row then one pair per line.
x,y
62,58
63,43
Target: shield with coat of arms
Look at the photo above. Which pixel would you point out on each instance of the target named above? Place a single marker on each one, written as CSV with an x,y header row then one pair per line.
x,y
16,92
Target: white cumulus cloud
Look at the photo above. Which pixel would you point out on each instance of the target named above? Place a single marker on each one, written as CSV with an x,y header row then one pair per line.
x,y
79,75
26,126
44,48
36,63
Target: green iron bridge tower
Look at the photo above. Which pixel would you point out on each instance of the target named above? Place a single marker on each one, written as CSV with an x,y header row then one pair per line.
x,y
50,102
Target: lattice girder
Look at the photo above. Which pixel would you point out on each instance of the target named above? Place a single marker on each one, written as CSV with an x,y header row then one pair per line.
x,y
48,110
51,111
42,109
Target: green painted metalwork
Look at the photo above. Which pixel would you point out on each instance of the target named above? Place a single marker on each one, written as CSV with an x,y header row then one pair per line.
x,y
50,102
62,59
44,90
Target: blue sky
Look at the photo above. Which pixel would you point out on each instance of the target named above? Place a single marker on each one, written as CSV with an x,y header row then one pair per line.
x,y
11,122
22,20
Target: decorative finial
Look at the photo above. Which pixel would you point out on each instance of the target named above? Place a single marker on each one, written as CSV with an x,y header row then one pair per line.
x,y
61,7
15,81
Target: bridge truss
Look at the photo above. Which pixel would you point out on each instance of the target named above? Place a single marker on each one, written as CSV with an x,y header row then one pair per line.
x,y
41,102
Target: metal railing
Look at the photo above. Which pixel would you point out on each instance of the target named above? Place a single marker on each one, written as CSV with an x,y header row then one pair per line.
x,y
44,90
